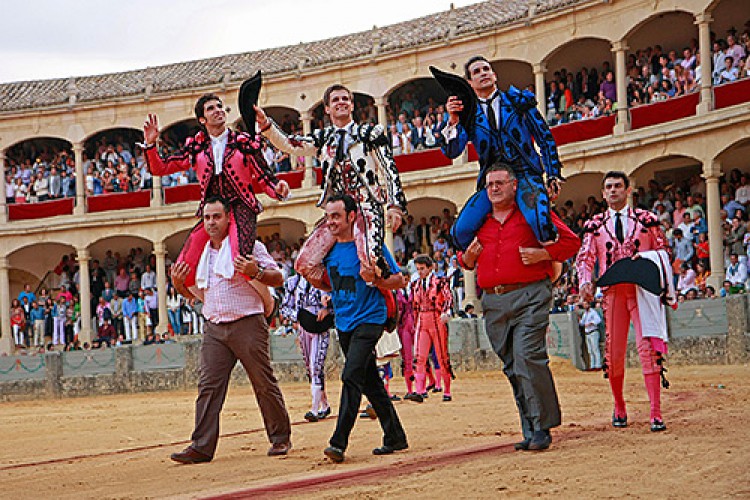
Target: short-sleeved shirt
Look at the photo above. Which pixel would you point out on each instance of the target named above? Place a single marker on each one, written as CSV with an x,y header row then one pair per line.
x,y
354,301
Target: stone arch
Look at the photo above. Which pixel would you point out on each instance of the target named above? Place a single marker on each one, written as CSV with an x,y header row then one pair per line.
x,y
364,110
287,117
119,243
423,92
736,156
676,171
290,230
727,14
174,242
35,264
44,148
127,136
514,72
650,32
429,206
173,135
577,188
592,53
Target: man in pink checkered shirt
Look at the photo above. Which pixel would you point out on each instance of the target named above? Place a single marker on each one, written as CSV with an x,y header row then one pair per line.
x,y
235,329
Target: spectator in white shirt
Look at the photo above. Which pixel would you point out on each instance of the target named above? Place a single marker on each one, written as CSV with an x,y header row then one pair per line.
x,y
736,271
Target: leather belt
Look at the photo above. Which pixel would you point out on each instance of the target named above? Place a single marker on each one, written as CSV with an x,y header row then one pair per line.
x,y
501,289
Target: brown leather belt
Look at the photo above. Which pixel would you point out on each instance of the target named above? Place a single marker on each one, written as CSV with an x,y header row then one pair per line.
x,y
501,289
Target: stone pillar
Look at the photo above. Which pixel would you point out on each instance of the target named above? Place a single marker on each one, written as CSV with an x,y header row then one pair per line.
x,y
84,296
3,204
715,231
160,251
706,104
470,290
7,345
539,88
157,196
382,105
53,371
388,235
80,207
309,179
621,79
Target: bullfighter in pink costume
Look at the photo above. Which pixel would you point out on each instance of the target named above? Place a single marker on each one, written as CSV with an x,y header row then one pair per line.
x,y
406,334
228,164
624,233
432,300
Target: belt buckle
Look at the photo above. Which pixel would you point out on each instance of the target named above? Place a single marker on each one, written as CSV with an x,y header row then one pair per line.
x,y
499,289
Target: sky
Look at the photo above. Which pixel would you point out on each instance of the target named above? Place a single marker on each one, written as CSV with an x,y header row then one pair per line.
x,y
43,39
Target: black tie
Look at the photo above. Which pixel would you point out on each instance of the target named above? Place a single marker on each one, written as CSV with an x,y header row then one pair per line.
x,y
424,284
618,228
340,148
491,111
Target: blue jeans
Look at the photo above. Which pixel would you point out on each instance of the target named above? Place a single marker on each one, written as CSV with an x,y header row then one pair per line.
x,y
176,321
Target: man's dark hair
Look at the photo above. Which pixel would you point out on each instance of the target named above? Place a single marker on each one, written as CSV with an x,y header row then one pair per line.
x,y
349,204
218,199
468,307
500,166
333,88
423,259
472,61
202,100
616,174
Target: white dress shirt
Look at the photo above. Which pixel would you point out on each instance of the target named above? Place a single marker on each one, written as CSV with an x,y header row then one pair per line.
x,y
219,145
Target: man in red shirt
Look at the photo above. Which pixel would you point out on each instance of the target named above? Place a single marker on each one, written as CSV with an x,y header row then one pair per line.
x,y
514,272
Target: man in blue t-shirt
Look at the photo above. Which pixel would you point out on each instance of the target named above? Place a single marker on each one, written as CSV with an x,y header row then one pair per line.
x,y
361,313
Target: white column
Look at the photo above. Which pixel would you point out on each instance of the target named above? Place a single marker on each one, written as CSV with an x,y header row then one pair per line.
x,y
3,203
621,80
157,193
160,251
539,88
715,230
388,235
470,290
7,344
706,103
80,207
309,179
84,294
382,105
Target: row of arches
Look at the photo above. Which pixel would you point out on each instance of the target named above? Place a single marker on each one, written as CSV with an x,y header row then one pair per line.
x,y
577,51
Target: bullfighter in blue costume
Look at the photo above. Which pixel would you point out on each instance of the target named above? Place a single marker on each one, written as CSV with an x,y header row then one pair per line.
x,y
503,126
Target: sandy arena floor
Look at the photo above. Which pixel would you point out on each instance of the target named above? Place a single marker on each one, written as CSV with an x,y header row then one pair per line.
x,y
119,446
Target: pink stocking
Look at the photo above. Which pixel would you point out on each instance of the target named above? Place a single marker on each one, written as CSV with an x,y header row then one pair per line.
x,y
616,384
653,387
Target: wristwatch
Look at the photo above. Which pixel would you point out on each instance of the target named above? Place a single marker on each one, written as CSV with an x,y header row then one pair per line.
x,y
260,272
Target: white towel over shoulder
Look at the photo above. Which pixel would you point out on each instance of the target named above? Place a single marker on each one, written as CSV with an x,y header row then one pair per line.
x,y
651,310
223,266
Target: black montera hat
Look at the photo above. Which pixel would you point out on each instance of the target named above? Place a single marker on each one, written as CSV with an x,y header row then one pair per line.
x,y
249,92
455,85
310,323
642,272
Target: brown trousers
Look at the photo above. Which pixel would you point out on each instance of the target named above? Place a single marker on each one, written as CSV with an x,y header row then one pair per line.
x,y
247,340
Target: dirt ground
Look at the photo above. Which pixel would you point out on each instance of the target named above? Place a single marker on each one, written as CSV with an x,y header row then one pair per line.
x,y
119,446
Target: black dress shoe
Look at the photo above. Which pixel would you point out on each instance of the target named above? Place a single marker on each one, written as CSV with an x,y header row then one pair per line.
x,y
324,413
522,445
387,450
657,425
394,397
311,417
335,454
413,396
278,449
540,441
447,398
619,422
437,389
190,456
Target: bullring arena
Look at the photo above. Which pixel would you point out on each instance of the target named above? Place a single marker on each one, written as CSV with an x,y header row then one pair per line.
x,y
102,423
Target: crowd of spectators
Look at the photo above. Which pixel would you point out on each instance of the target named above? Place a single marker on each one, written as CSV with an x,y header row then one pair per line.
x,y
653,75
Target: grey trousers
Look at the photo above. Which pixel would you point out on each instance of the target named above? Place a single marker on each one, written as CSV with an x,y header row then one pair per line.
x,y
247,340
516,324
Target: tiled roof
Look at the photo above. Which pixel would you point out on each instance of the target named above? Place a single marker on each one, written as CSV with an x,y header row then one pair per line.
x,y
461,21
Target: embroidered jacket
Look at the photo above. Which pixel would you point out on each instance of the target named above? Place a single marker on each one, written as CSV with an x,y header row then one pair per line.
x,y
601,245
368,153
240,166
520,126
436,298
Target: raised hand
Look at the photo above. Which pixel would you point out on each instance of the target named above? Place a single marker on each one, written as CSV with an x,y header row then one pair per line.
x,y
260,117
151,129
454,106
